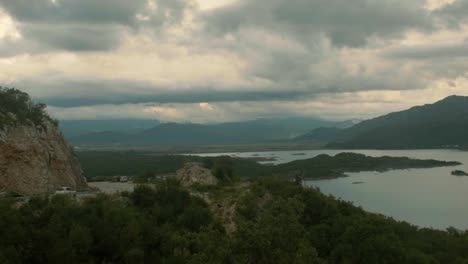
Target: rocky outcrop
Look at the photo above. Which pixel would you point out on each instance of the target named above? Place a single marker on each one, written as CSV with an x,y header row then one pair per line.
x,y
194,173
37,160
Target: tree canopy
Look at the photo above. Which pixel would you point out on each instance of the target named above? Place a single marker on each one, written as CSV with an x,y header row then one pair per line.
x,y
16,107
277,222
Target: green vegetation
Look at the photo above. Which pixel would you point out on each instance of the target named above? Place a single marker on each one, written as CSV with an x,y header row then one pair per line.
x,y
16,108
276,222
150,225
100,163
323,166
221,167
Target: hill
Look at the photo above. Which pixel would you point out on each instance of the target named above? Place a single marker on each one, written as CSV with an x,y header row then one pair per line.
x,y
443,124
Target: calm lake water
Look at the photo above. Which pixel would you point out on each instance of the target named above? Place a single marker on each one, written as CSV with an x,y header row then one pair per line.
x,y
424,197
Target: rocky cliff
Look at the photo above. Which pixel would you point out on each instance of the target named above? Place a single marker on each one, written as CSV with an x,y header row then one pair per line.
x,y
36,159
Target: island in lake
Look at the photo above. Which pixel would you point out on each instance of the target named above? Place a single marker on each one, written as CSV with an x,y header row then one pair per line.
x,y
319,167
328,167
459,173
358,182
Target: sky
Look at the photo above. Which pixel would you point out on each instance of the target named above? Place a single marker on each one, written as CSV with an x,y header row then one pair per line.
x,y
229,60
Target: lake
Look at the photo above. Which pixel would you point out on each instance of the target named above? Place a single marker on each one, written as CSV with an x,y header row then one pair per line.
x,y
424,197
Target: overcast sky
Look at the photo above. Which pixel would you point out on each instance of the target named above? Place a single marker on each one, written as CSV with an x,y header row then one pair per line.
x,y
226,60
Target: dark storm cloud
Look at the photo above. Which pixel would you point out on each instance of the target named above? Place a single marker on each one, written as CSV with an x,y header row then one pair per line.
x,y
41,38
429,52
454,14
84,25
292,50
316,31
201,95
73,93
74,37
346,23
85,11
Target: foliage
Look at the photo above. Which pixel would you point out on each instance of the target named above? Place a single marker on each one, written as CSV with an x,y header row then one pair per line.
x,y
277,222
102,163
222,168
285,223
156,225
16,108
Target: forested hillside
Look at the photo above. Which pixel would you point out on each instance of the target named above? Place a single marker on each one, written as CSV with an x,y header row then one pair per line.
x,y
275,222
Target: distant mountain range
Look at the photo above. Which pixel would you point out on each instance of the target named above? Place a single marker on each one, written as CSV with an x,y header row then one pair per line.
x,y
76,128
443,124
128,132
321,134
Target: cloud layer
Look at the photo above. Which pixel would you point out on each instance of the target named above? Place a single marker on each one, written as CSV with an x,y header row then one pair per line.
x,y
241,59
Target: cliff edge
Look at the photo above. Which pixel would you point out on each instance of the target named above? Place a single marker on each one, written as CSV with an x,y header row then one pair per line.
x,y
34,156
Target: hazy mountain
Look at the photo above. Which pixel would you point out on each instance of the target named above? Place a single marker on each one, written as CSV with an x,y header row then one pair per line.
x,y
256,131
321,134
438,125
75,128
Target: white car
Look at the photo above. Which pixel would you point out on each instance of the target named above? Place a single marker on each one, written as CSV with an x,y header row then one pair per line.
x,y
123,179
65,190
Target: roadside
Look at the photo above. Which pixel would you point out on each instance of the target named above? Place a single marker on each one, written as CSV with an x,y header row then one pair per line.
x,y
112,187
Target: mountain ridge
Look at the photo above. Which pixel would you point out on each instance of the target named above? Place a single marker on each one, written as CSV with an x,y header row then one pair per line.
x,y
244,132
443,124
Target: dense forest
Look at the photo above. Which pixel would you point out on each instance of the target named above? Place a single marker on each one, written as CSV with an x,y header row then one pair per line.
x,y
97,164
16,107
276,222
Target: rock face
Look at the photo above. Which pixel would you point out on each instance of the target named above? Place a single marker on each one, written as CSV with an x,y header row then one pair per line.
x,y
194,173
37,160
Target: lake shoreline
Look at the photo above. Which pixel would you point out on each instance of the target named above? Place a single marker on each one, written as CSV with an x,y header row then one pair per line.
x,y
233,148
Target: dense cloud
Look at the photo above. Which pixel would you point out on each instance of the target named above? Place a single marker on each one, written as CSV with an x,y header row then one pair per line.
x,y
85,25
345,23
430,52
75,92
455,14
321,46
85,11
86,93
254,54
91,12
